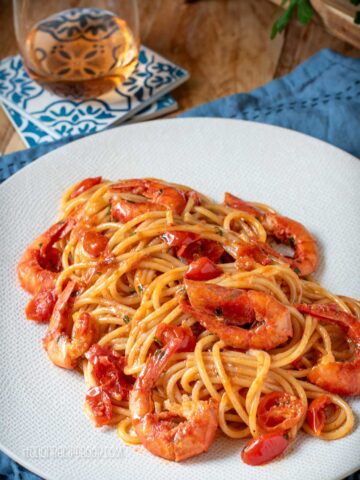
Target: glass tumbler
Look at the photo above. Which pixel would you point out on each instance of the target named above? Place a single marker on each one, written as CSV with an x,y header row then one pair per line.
x,y
78,48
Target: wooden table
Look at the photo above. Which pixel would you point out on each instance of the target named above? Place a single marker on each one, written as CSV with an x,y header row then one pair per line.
x,y
224,44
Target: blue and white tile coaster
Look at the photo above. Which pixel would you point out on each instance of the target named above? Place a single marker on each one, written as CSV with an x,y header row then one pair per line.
x,y
154,77
33,134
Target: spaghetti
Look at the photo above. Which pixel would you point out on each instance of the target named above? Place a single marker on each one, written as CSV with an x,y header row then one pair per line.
x,y
184,318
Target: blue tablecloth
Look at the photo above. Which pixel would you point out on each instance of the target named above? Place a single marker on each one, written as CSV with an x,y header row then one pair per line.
x,y
321,97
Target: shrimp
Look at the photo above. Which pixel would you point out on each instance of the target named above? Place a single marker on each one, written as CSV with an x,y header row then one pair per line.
x,y
224,310
306,256
40,265
160,433
160,197
65,342
342,378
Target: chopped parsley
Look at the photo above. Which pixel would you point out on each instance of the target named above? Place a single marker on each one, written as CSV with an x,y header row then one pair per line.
x,y
76,293
292,242
108,210
219,231
158,342
297,270
218,312
140,288
159,352
126,319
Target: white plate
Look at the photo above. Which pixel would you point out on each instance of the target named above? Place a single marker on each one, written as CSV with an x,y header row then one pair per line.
x,y
42,424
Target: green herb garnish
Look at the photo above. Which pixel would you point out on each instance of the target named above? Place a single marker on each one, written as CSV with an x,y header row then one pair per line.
x,y
140,288
297,270
218,312
76,293
159,352
126,319
108,210
158,342
292,242
219,231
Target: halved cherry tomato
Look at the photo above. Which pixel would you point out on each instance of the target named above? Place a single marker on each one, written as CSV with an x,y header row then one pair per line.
x,y
265,448
201,248
279,410
51,259
40,308
179,238
191,246
202,269
108,370
165,333
316,415
85,185
297,363
99,402
94,243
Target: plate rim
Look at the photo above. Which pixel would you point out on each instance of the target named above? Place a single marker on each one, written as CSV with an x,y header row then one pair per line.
x,y
112,131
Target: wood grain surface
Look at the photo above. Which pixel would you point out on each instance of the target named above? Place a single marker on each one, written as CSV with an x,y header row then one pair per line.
x,y
225,45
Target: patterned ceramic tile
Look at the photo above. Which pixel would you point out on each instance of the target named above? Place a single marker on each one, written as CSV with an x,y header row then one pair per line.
x,y
33,134
152,79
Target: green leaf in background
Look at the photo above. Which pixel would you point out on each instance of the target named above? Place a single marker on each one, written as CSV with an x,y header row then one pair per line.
x,y
281,23
357,18
355,2
304,15
304,12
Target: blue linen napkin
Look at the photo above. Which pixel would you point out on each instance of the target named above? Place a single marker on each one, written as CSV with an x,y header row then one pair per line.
x,y
321,97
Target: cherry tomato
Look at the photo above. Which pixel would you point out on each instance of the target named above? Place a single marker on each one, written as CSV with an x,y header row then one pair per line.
x,y
178,238
201,248
85,185
40,308
108,370
297,363
94,243
202,269
51,260
316,415
279,410
191,246
99,402
265,448
165,333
